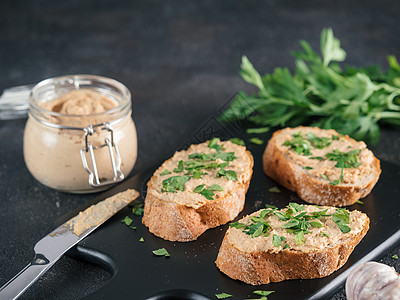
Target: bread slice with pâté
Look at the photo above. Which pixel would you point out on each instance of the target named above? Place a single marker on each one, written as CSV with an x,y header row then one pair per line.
x,y
298,242
197,189
321,166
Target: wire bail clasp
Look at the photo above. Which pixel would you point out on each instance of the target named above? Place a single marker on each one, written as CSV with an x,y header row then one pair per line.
x,y
115,157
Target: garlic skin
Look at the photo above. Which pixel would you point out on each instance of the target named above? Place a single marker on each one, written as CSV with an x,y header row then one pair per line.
x,y
373,280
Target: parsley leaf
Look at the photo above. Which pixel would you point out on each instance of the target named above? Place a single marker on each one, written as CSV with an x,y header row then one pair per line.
x,y
174,184
215,187
274,189
257,130
137,208
161,252
320,93
223,296
256,141
299,144
237,141
127,221
165,172
180,167
342,217
277,240
213,144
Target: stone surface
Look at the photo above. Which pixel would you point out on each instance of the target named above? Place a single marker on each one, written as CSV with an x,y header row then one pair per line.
x,y
180,59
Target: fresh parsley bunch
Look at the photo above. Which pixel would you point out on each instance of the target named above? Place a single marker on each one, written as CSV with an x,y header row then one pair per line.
x,y
352,101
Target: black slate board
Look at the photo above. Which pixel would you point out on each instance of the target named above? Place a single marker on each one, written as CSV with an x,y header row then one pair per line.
x,y
138,274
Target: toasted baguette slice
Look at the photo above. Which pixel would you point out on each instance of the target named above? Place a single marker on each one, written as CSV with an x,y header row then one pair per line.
x,y
183,209
306,169
275,255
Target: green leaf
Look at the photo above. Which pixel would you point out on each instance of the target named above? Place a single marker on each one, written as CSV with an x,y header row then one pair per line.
x,y
277,241
263,293
257,130
127,221
250,74
274,189
213,144
161,252
299,238
165,172
237,141
215,187
316,224
141,239
292,223
208,194
199,188
138,208
256,141
180,167
174,184
223,296
330,47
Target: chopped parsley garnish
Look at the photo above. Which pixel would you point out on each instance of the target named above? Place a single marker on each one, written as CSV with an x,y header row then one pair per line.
x,y
161,252
207,192
274,190
237,141
137,208
215,188
213,144
174,184
343,160
230,175
395,256
223,296
180,167
318,142
256,141
141,239
127,221
263,294
299,144
342,217
270,206
257,130
324,177
296,220
165,172
277,240
359,202
259,226
317,157
308,168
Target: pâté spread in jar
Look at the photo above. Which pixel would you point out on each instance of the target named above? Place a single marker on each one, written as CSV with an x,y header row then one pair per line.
x,y
80,136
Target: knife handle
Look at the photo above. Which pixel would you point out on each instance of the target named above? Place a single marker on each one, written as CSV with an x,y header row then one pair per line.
x,y
25,278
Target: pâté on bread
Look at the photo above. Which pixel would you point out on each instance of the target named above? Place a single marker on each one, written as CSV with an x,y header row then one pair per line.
x,y
321,166
197,189
300,241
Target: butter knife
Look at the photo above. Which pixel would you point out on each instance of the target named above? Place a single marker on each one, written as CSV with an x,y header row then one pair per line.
x,y
50,248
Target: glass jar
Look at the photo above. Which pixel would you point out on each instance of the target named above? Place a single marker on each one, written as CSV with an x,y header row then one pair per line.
x,y
80,153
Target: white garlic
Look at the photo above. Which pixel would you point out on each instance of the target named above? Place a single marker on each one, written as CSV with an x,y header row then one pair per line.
x,y
373,280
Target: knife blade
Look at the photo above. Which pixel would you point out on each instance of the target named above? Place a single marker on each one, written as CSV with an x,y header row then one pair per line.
x,y
50,248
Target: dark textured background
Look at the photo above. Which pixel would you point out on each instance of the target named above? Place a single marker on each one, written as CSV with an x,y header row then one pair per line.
x,y
180,59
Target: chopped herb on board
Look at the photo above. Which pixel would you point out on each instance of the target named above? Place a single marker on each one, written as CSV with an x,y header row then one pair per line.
x,y
274,189
263,293
257,130
237,141
141,239
137,208
127,221
359,202
161,252
395,256
223,296
256,141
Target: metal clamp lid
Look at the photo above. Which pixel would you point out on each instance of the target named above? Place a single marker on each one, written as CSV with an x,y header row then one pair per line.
x,y
94,179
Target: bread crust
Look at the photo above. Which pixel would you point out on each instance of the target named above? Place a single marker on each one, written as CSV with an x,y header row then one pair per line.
x,y
262,267
177,222
310,188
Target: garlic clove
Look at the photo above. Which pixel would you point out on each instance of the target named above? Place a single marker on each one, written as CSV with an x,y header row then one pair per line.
x,y
373,280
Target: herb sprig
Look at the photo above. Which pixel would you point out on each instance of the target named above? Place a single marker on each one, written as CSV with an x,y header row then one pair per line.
x,y
354,101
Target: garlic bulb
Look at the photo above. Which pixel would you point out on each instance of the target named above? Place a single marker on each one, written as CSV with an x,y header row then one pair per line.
x,y
373,280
